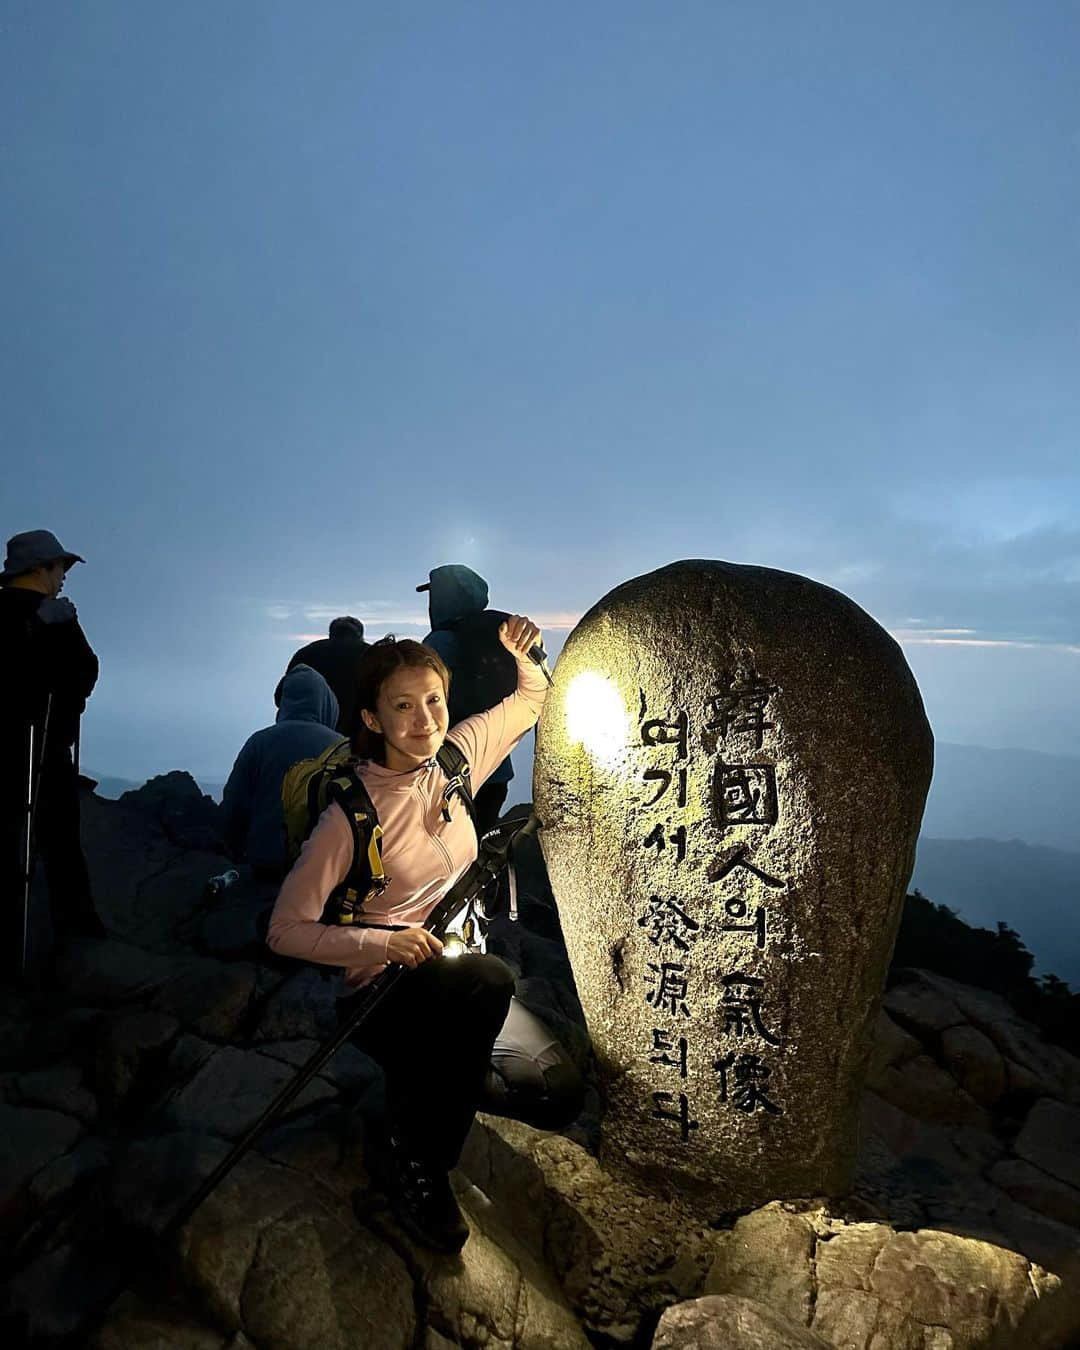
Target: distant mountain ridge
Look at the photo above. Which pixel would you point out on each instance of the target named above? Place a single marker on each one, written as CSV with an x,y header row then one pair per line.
x,y
1004,794
1033,889
111,786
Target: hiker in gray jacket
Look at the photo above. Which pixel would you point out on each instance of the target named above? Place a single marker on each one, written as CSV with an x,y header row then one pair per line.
x,y
305,726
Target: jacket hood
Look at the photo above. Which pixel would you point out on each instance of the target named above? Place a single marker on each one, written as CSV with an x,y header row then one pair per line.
x,y
456,590
306,697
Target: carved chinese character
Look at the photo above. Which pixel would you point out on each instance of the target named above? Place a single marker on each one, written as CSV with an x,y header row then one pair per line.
x,y
657,839
740,1005
665,921
736,908
663,1052
743,1079
680,1116
718,871
668,990
745,794
741,710
665,779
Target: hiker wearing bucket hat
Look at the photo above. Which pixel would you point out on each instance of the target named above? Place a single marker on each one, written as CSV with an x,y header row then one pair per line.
x,y
48,673
36,551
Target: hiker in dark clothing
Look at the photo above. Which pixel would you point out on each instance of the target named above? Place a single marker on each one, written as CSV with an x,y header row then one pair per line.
x,y
251,802
466,635
46,676
337,658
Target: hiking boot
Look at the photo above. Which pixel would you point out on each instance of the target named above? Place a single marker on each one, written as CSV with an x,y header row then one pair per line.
x,y
420,1197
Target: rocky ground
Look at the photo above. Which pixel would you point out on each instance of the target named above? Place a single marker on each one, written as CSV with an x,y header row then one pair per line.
x,y
124,1077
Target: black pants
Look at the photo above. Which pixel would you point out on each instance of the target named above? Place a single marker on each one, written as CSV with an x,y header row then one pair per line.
x,y
60,849
57,847
451,1040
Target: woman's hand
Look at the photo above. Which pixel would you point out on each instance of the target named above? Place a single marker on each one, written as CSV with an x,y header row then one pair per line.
x,y
517,634
412,947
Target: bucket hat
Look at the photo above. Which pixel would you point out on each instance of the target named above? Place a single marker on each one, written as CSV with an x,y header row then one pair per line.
x,y
35,548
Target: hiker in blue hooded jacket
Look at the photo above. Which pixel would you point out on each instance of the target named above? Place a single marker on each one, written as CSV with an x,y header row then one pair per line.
x,y
465,633
305,726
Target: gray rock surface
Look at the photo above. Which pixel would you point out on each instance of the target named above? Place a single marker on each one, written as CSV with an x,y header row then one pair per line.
x,y
60,1088
59,1178
302,1008
136,1325
727,1322
928,1003
863,1286
617,1254
767,1257
54,1293
189,817
297,1248
976,1063
1050,1139
218,1244
731,770
110,973
129,1043
923,1002
923,1089
209,997
288,1299
31,1138
1038,1190
231,1090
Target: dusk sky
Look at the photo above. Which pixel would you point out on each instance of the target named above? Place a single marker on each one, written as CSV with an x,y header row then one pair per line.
x,y
303,300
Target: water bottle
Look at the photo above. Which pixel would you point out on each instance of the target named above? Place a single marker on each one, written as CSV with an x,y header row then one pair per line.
x,y
222,882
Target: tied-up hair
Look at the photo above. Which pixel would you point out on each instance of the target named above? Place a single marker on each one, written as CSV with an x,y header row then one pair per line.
x,y
381,660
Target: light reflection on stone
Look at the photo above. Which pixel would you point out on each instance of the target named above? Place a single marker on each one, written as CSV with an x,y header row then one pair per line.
x,y
596,717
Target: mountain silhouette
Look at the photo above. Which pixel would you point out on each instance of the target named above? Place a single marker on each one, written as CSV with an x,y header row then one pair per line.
x,y
1034,889
1004,794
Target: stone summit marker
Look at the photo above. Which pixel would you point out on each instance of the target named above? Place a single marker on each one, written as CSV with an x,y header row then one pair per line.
x,y
731,771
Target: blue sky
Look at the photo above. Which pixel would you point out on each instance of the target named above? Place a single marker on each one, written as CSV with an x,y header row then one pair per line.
x,y
303,300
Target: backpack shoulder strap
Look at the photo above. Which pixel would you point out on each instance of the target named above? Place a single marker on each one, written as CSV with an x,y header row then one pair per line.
x,y
365,876
451,759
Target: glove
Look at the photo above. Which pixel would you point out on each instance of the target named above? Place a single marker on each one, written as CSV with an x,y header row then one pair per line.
x,y
57,610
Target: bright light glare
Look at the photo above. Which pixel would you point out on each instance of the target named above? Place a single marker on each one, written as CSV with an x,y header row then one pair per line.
x,y
452,946
596,717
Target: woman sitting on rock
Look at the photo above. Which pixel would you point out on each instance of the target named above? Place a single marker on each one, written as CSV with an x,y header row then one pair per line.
x,y
449,1035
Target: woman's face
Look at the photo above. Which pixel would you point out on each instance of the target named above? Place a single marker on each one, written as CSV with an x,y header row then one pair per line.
x,y
410,714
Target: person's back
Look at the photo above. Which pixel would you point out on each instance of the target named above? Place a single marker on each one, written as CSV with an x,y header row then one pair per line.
x,y
45,653
337,658
466,635
306,725
47,674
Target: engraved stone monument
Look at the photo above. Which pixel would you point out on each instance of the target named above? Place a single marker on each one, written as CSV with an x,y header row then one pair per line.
x,y
731,772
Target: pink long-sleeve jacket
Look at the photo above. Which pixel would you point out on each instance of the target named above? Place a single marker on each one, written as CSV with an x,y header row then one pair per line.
x,y
423,854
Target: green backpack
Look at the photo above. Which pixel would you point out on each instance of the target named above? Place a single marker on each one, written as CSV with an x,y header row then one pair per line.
x,y
312,784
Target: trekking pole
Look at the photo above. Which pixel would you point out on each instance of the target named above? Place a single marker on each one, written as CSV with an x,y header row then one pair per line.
x,y
33,789
494,856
